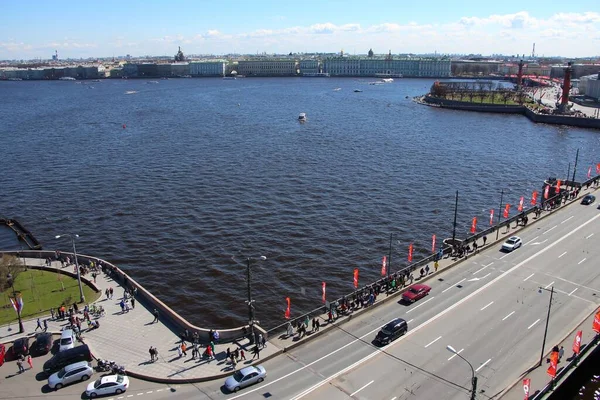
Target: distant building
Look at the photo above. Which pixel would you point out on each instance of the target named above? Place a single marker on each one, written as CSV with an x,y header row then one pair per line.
x,y
590,86
267,68
207,68
309,66
409,67
579,70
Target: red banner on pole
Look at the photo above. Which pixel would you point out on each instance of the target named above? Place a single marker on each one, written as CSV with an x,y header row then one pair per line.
x,y
410,252
287,310
474,225
526,386
577,342
384,266
433,243
589,175
546,192
520,208
323,285
558,182
506,210
491,217
553,364
356,278
534,198
598,168
596,324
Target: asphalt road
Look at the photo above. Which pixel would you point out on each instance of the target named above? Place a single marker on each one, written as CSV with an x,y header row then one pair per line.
x,y
489,308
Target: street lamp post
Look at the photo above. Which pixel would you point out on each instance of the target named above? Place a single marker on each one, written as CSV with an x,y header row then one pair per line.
x,y
455,213
250,301
81,296
547,320
473,377
499,214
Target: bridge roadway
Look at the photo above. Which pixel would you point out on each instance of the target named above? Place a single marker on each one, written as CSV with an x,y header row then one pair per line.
x,y
489,308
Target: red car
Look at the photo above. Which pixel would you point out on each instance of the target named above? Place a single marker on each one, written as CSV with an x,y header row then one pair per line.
x,y
415,292
2,353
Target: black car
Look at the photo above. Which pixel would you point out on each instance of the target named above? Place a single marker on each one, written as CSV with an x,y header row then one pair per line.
x,y
66,357
42,344
588,199
20,347
391,331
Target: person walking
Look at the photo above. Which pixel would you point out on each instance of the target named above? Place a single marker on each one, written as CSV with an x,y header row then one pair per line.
x,y
20,366
30,361
436,265
179,351
312,326
290,329
151,351
561,353
212,348
317,325
183,349
132,303
155,313
122,304
263,341
255,352
260,339
45,325
39,325
228,353
242,355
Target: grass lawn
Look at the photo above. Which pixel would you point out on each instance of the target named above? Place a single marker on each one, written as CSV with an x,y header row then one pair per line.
x,y
42,290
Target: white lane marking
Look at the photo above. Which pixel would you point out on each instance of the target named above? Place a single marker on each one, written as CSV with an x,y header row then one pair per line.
x,y
485,276
573,291
410,321
361,388
454,355
425,302
508,316
549,229
479,270
410,332
589,236
130,395
528,277
532,240
531,326
483,365
489,264
394,398
581,261
456,284
562,254
140,394
430,343
567,219
149,392
507,254
487,306
548,285
159,390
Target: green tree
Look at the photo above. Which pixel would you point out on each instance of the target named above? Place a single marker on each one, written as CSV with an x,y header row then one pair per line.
x,y
10,268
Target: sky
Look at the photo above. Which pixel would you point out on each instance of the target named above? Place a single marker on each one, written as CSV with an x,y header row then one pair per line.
x,y
36,28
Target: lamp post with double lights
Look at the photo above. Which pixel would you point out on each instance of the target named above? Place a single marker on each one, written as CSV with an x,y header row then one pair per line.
x,y
473,377
250,302
81,296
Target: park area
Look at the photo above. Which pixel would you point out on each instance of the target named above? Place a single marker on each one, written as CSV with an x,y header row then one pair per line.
x,y
39,289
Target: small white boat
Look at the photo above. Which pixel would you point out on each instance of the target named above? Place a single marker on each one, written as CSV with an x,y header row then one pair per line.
x,y
302,117
357,90
388,80
66,78
131,92
337,89
152,82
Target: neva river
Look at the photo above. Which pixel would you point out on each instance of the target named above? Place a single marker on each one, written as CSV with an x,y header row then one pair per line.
x,y
211,171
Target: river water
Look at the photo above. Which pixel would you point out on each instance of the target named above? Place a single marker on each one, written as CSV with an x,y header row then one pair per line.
x,y
179,181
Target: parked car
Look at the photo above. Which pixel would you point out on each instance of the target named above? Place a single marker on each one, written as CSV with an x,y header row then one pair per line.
x,y
391,331
588,199
42,344
64,358
416,292
513,243
20,347
110,384
245,377
67,340
2,354
79,371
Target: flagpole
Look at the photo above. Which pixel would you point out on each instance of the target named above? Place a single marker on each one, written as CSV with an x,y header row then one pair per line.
x,y
455,213
568,174
499,214
547,320
390,256
575,167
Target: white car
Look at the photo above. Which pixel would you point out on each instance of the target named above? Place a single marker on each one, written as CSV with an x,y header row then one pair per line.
x,y
79,371
513,243
110,384
245,377
67,340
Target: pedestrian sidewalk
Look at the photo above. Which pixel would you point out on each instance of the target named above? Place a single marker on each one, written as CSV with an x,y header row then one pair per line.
x,y
127,337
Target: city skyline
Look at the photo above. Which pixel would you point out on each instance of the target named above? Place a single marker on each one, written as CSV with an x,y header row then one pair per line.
x,y
157,29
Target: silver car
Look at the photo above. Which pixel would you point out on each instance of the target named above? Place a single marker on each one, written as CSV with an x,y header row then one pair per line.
x,y
79,371
513,243
245,377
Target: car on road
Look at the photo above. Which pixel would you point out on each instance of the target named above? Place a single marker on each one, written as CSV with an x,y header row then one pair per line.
x,y
245,377
513,243
67,340
109,384
416,292
588,199
20,347
391,331
78,372
42,344
64,358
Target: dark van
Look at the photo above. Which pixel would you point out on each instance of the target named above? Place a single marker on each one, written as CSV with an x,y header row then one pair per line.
x,y
66,357
391,331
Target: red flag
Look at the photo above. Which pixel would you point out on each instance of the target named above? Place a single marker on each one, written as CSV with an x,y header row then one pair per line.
x,y
474,225
577,342
287,310
323,285
558,186
598,168
491,217
546,192
589,172
356,278
410,252
534,198
553,364
521,204
506,210
433,244
596,324
383,266
526,386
